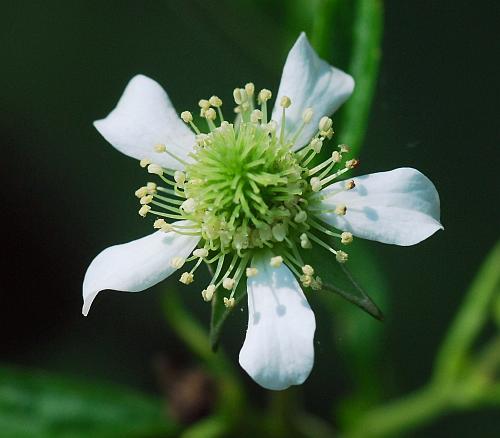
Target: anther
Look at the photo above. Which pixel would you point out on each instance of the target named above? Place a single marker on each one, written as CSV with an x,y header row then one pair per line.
x,y
141,191
160,148
315,184
215,101
279,232
316,145
305,243
186,278
346,238
186,117
300,217
144,162
341,210
336,157
208,293
325,124
349,185
351,164
306,280
264,95
189,205
238,98
285,102
344,148
144,210
308,270
256,116
210,114
341,256
155,169
276,262
179,177
200,252
250,89
308,115
317,284
159,223
251,272
177,262
229,302
146,199
204,104
228,283
151,187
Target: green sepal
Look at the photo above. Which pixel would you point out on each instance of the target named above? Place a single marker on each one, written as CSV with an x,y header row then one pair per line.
x,y
337,278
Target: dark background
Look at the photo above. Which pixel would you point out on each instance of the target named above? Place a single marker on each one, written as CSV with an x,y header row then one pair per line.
x,y
67,194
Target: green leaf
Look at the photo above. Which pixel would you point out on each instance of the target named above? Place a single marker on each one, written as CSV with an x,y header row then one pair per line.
x,y
37,404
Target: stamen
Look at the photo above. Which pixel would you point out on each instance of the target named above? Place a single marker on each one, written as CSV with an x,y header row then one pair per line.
x,y
208,293
177,262
276,262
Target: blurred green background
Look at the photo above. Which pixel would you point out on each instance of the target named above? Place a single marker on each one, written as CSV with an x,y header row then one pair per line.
x,y
67,194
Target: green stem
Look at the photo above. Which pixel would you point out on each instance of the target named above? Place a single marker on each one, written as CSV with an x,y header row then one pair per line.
x,y
190,331
321,32
364,65
471,317
402,415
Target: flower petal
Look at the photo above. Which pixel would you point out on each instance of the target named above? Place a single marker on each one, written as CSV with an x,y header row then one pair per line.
x,y
278,350
399,207
143,118
309,82
136,265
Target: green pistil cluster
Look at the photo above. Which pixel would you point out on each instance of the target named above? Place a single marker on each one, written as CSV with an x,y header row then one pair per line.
x,y
245,188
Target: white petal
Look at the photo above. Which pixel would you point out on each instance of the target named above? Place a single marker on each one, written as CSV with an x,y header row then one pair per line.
x,y
136,265
278,350
309,82
399,207
143,118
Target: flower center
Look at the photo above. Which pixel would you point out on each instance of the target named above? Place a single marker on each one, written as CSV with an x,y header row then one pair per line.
x,y
245,188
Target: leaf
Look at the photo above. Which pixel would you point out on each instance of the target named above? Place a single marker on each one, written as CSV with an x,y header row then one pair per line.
x,y
37,404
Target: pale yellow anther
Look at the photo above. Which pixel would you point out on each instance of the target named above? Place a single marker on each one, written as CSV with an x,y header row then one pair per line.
x,y
264,95
186,116
144,162
341,256
306,280
245,106
151,187
285,102
155,169
204,104
351,164
328,134
202,139
160,148
300,217
340,209
208,293
177,262
210,114
346,237
249,89
146,199
229,302
308,115
315,184
179,177
144,210
189,205
344,148
305,243
349,185
158,223
238,98
325,124
256,116
279,232
276,262
186,278
308,270
336,157
228,283
141,191
200,252
251,272
215,101
316,145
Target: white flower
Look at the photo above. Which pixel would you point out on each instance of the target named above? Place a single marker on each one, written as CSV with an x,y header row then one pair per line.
x,y
246,195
